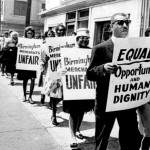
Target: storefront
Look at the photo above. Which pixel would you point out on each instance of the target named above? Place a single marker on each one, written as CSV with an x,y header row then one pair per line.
x,y
96,17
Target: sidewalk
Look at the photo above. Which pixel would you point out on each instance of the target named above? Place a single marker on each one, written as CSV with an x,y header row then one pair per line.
x,y
40,114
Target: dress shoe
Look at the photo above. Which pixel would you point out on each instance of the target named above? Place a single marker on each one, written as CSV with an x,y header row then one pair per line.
x,y
30,101
49,106
42,99
12,83
79,135
54,121
24,99
74,145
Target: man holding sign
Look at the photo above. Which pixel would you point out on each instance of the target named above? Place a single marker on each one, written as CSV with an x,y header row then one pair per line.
x,y
100,68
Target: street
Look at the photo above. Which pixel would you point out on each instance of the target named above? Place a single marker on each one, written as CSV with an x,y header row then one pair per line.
x,y
28,127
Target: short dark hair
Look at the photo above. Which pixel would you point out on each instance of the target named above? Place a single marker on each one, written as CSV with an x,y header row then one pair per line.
x,y
147,31
60,25
52,33
29,28
45,34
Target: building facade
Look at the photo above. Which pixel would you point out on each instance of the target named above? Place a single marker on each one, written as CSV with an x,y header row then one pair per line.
x,y
95,15
13,15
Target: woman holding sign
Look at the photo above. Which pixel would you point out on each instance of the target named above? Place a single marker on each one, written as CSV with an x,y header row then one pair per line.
x,y
25,75
43,61
56,84
77,108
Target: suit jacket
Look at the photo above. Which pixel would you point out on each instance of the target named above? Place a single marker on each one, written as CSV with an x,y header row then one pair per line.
x,y
101,54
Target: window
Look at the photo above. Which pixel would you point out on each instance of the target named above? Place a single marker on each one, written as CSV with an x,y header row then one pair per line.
x,y
83,18
71,16
83,24
83,13
70,28
70,23
20,8
74,22
102,32
43,6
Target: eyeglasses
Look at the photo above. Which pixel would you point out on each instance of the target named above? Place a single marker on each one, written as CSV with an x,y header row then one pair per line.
x,y
84,38
29,33
121,22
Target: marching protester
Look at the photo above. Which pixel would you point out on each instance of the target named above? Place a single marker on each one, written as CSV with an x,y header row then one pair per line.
x,y
25,75
60,30
10,54
44,57
56,84
77,108
50,33
99,70
144,117
43,62
10,31
3,62
6,34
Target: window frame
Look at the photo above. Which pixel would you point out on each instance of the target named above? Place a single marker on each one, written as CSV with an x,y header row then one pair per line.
x,y
21,10
77,18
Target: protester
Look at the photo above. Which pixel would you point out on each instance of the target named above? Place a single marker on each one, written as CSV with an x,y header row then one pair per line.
x,y
77,108
10,31
60,30
3,61
25,75
10,55
99,70
38,36
144,117
51,33
44,57
6,34
54,100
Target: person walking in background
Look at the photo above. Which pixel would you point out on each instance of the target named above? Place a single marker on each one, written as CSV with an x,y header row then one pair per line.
x,y
25,75
99,70
3,62
10,31
43,61
6,34
50,33
144,117
11,55
77,108
60,31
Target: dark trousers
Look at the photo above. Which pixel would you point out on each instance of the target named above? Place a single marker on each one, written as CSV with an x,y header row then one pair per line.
x,y
54,102
3,67
129,135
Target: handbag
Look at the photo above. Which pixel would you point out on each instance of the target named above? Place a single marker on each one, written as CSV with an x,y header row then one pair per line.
x,y
56,89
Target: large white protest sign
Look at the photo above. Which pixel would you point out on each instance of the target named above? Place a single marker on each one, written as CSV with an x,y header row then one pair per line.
x,y
75,84
54,46
130,85
28,54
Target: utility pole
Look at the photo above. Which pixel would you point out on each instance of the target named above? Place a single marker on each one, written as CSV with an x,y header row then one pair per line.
x,y
28,13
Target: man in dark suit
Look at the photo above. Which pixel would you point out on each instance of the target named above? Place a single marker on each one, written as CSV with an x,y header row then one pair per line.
x,y
99,70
